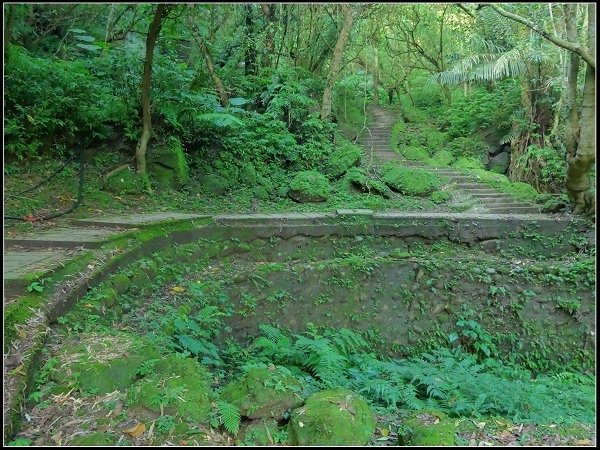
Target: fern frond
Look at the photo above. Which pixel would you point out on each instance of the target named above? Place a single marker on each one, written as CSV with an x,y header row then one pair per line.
x,y
229,416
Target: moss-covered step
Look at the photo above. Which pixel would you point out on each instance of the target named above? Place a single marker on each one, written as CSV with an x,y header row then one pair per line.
x,y
137,220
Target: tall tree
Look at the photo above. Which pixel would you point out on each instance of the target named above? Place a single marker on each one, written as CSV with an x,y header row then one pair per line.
x,y
336,60
207,58
142,146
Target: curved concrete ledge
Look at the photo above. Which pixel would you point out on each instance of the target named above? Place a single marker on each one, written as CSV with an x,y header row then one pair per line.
x,y
457,227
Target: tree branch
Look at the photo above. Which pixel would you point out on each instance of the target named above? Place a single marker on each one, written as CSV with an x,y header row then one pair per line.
x,y
573,47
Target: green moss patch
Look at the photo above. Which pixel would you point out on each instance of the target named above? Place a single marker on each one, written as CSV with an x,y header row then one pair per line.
x,y
442,158
124,181
260,433
414,153
101,363
440,196
168,166
332,417
408,181
468,163
428,429
264,393
175,386
309,186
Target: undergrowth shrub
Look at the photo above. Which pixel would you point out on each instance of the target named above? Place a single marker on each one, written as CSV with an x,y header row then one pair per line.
x,y
414,182
543,167
466,147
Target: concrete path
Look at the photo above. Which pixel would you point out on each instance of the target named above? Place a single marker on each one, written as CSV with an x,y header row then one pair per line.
x,y
378,151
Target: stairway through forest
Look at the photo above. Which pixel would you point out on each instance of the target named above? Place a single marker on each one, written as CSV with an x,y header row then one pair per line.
x,y
378,151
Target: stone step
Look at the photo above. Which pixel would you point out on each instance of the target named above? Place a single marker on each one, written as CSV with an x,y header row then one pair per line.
x,y
137,220
514,210
65,238
475,187
492,200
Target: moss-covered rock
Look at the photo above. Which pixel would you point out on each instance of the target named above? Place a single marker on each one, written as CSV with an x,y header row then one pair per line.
x,y
264,393
108,296
309,186
180,386
440,196
358,178
428,429
414,153
342,159
138,280
442,158
97,439
120,283
101,362
168,166
332,417
260,432
408,181
123,181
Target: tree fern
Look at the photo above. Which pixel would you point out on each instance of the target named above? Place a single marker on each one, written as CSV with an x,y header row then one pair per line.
x,y
229,416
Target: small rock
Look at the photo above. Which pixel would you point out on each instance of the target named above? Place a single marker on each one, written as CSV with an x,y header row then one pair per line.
x,y
490,271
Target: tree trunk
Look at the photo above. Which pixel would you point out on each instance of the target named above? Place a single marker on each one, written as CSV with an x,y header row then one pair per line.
x,y
224,97
572,124
142,145
269,12
376,74
580,164
8,27
250,58
336,61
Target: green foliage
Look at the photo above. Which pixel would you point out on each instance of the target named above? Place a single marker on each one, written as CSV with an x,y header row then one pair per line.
x,y
51,103
468,163
360,179
165,424
229,416
568,305
423,135
472,337
482,109
466,147
442,158
543,167
414,182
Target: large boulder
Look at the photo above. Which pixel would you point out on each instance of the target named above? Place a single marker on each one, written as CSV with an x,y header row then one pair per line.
x,y
309,186
175,386
264,393
332,417
500,163
167,165
413,182
342,159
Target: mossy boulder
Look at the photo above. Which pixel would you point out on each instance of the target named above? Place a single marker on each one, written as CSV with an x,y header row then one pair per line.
x,y
408,181
123,181
120,283
264,393
260,432
97,439
414,153
139,279
359,179
101,362
342,159
442,158
180,386
332,417
428,429
167,165
309,186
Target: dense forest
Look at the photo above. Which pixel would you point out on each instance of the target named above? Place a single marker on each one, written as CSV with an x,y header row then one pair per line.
x,y
299,224
239,98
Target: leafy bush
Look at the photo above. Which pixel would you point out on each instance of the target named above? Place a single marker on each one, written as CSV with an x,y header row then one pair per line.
x,y
360,179
53,103
440,196
466,147
415,182
544,167
418,135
